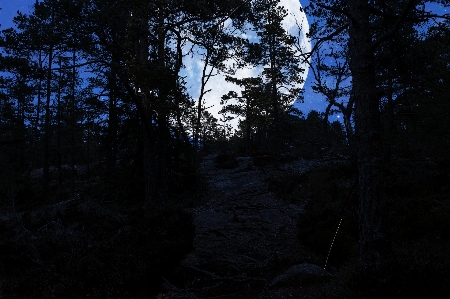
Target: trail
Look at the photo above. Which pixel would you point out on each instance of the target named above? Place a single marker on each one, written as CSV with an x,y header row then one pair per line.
x,y
245,239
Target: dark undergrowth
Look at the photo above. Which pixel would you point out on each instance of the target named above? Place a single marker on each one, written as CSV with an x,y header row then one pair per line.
x,y
418,218
225,161
81,248
105,243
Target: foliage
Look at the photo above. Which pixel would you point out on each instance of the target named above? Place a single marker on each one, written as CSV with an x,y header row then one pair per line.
x,y
418,225
372,31
266,98
225,161
82,249
92,106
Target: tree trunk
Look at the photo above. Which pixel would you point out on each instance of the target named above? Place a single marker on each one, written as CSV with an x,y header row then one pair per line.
x,y
112,118
161,146
347,113
198,121
150,178
73,122
155,116
46,168
58,115
326,124
371,196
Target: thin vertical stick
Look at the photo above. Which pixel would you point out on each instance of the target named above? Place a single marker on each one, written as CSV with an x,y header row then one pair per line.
x,y
332,243
347,204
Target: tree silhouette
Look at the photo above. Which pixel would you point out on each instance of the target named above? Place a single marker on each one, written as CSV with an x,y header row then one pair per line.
x,y
359,19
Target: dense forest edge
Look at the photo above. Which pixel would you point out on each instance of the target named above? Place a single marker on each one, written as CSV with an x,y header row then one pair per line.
x,y
101,145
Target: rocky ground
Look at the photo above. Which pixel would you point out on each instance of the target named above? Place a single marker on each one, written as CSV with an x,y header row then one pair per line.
x,y
245,241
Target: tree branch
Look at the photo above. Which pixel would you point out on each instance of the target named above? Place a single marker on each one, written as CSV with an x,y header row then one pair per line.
x,y
80,65
400,19
321,40
418,18
338,10
139,105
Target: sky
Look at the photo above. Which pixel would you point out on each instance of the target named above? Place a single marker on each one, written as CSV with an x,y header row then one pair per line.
x,y
10,8
216,85
312,101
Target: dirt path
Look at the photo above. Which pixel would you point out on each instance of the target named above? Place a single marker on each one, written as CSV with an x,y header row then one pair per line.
x,y
245,239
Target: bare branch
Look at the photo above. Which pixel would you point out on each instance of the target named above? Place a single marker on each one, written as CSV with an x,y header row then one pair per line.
x,y
80,65
321,40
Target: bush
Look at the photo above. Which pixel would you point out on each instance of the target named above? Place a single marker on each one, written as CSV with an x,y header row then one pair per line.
x,y
225,161
327,191
80,250
418,222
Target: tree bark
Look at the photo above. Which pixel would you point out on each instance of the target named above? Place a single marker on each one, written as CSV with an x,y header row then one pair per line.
x,y
371,196
112,116
162,130
58,114
205,78
73,122
154,115
46,168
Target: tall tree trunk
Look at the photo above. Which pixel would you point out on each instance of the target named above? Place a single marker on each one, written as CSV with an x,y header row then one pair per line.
x,y
248,128
206,75
73,121
390,125
347,113
36,131
275,138
273,83
21,104
162,128
326,124
112,118
154,116
198,122
46,172
149,154
58,113
182,137
371,196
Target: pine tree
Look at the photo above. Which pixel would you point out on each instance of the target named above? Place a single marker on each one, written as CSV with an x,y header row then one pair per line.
x,y
275,52
358,19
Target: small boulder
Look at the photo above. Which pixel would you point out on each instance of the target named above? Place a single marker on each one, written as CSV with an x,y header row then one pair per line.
x,y
300,273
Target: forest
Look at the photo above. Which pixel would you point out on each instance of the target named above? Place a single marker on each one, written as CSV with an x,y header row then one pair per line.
x,y
103,149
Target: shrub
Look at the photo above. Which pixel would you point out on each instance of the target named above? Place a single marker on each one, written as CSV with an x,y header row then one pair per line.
x,y
225,161
84,250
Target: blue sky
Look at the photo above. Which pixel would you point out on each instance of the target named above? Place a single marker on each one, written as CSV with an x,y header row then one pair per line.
x,y
10,8
311,101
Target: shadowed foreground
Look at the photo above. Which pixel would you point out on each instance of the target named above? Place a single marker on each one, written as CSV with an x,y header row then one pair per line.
x,y
245,240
